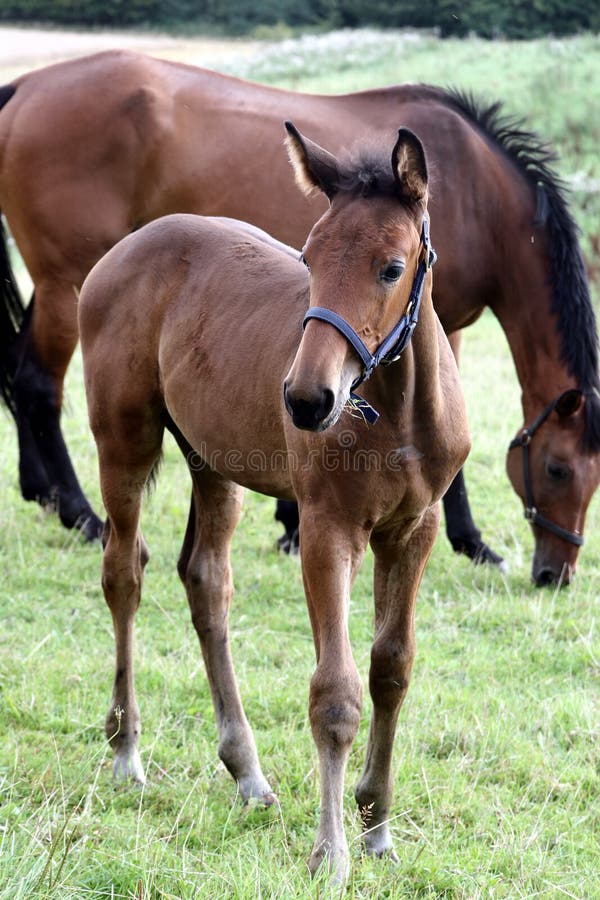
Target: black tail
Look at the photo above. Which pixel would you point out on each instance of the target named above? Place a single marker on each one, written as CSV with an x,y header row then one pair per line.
x,y
12,314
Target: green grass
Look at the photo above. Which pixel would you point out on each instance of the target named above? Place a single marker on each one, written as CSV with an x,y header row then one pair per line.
x,y
497,755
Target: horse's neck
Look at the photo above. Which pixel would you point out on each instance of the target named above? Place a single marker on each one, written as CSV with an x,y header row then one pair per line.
x,y
524,312
524,299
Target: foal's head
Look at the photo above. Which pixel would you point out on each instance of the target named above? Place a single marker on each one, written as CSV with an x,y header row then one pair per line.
x,y
362,256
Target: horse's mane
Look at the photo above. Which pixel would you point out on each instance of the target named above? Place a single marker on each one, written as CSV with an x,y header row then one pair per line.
x,y
571,302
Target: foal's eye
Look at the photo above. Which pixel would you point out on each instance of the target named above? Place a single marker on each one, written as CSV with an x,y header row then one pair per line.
x,y
392,273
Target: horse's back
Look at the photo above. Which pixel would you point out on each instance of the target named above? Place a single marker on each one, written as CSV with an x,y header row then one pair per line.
x,y
151,137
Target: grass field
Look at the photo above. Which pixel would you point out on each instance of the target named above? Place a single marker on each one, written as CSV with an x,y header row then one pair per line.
x,y
497,754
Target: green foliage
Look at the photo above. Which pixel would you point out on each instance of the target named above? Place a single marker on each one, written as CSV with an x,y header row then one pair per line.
x,y
511,18
82,12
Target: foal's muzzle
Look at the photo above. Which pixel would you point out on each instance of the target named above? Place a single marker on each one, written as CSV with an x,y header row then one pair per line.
x,y
311,412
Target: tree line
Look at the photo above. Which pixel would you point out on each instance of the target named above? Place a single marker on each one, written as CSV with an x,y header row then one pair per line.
x,y
487,18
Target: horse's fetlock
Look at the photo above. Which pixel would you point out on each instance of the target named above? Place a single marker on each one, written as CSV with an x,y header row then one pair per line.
x,y
122,727
236,750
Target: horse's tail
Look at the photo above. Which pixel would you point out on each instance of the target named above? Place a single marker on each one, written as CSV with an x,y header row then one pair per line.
x,y
12,308
12,314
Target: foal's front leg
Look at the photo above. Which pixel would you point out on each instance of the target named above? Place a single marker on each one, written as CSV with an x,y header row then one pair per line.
x,y
329,566
399,564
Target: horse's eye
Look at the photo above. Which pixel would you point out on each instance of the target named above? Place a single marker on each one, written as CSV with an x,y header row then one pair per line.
x,y
558,471
391,273
304,261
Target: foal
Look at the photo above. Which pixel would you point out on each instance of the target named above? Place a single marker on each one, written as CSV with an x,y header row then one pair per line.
x,y
192,324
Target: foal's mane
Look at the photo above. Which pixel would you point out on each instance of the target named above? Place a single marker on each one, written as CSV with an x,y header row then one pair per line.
x,y
571,302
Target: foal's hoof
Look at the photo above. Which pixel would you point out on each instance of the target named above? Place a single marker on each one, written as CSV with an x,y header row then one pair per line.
x,y
265,801
325,858
380,850
255,791
127,766
378,841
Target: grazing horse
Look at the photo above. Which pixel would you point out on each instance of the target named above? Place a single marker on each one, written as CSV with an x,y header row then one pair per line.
x,y
93,148
191,324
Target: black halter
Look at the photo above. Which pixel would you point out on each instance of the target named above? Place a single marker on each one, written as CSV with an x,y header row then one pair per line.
x,y
531,513
397,340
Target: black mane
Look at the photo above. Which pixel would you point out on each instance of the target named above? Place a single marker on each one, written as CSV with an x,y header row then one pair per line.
x,y
571,302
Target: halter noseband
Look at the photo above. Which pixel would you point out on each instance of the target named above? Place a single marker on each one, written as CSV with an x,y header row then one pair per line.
x,y
392,346
531,513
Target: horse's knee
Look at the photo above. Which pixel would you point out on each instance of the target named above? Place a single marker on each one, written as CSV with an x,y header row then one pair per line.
x,y
119,585
335,706
122,576
391,667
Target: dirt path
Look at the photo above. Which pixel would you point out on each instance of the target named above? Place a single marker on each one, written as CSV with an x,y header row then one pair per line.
x,y
23,49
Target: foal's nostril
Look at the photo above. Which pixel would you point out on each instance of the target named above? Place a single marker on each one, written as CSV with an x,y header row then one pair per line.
x,y
309,413
285,398
327,402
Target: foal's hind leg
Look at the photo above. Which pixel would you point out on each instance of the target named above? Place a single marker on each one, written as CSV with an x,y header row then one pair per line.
x,y
204,567
399,565
124,469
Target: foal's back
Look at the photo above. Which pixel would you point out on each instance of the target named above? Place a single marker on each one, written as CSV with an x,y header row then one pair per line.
x,y
199,317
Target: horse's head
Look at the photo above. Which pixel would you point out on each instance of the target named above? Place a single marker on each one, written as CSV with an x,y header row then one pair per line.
x,y
555,475
362,256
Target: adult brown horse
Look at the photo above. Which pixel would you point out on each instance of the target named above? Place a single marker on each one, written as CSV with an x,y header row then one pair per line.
x,y
93,148
191,324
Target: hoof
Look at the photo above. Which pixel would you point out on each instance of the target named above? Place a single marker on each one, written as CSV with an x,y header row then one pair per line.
x,y
90,527
128,767
378,842
289,544
255,791
381,849
479,552
265,801
326,859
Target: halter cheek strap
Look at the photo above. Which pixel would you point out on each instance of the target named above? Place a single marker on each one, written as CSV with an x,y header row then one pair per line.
x,y
531,513
392,346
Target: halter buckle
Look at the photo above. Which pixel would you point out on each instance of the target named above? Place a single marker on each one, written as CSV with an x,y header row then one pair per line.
x,y
426,240
530,513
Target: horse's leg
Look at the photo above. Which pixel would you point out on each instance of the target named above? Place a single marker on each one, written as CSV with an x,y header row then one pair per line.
x,y
205,569
45,349
335,699
286,512
461,530
399,565
125,463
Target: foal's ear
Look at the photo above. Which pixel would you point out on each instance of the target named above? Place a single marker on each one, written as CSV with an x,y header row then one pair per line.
x,y
315,169
410,167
